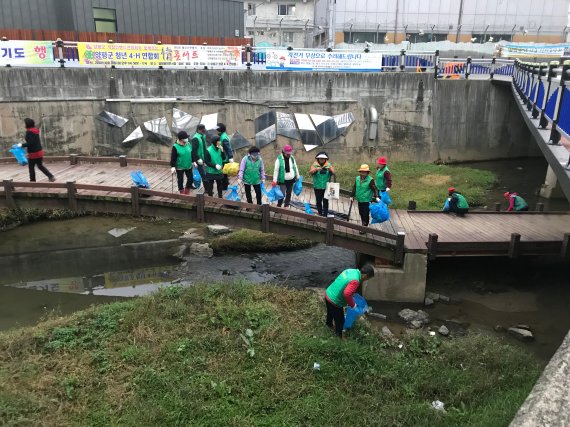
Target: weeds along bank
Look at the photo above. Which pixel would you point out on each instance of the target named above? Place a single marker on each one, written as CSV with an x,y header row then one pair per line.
x,y
243,355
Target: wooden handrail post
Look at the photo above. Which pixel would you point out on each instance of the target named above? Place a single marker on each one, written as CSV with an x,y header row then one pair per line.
x,y
71,195
540,207
329,235
265,216
432,246
514,245
9,193
200,203
412,205
497,207
123,161
399,253
565,250
73,159
136,207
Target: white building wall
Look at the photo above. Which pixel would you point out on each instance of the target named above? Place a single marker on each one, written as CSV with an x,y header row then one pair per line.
x,y
267,26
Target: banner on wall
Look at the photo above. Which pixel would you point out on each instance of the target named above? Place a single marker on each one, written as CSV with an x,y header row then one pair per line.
x,y
530,50
312,60
25,52
153,55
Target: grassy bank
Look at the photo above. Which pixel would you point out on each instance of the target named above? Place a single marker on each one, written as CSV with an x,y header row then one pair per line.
x,y
242,355
251,241
426,183
11,218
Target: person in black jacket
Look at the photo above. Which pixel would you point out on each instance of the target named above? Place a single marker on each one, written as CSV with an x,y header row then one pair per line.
x,y
35,151
214,157
199,149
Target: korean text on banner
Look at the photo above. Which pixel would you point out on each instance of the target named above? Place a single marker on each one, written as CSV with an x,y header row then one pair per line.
x,y
150,55
531,50
26,52
325,61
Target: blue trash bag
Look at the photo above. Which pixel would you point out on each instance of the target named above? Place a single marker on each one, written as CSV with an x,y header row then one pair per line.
x,y
233,193
262,187
385,197
298,186
139,179
20,154
275,194
379,212
353,313
308,209
196,178
446,206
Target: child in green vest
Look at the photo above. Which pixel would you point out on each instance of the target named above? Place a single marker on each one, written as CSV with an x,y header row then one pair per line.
x,y
285,174
457,202
322,172
364,191
214,159
181,162
339,295
252,174
516,202
383,175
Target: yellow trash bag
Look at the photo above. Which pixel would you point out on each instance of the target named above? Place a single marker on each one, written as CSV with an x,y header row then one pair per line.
x,y
231,169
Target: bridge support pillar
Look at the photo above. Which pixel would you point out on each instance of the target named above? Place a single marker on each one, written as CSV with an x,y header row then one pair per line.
x,y
399,284
551,187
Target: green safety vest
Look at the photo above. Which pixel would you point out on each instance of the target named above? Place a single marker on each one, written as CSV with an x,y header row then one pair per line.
x,y
184,159
461,201
216,158
363,191
520,203
335,291
252,171
320,179
201,144
281,177
224,137
380,180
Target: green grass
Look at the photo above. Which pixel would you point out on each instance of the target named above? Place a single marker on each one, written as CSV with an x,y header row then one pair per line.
x,y
10,218
242,355
250,241
425,183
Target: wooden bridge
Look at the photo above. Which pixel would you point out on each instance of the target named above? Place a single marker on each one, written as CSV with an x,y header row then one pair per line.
x,y
103,184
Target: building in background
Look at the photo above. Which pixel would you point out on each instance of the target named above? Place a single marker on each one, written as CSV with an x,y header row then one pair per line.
x,y
191,18
280,23
393,21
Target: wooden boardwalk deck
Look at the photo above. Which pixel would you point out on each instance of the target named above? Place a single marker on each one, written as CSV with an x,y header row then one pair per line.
x,y
478,233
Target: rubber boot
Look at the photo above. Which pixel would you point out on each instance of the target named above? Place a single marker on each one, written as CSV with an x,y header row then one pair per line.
x,y
186,191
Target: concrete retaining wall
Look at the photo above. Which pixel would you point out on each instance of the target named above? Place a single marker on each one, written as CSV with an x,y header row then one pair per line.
x,y
419,119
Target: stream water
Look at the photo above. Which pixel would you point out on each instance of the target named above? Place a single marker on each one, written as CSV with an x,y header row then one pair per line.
x,y
56,274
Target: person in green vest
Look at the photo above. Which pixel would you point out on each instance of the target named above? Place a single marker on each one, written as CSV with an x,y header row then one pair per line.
x,y
227,146
364,191
457,202
252,174
199,149
383,176
516,202
340,294
181,162
322,172
285,173
214,159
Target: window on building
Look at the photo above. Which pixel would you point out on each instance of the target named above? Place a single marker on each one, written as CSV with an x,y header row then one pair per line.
x,y
493,38
288,36
105,20
285,9
362,37
250,33
426,37
251,9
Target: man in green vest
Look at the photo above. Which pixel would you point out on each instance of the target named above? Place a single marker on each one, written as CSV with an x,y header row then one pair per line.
x,y
252,174
214,159
364,191
383,176
516,202
228,150
322,172
339,295
199,149
457,202
181,162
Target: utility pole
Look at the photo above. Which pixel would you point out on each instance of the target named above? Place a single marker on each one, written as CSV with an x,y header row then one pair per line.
x,y
396,21
459,21
332,13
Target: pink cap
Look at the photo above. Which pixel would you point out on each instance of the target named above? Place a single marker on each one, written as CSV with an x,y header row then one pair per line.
x,y
287,149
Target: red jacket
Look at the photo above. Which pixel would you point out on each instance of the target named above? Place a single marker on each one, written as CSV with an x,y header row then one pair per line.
x,y
33,144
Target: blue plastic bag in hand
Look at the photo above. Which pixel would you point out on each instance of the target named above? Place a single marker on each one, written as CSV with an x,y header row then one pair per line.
x,y
385,197
20,154
139,179
379,212
308,209
275,194
298,186
353,313
233,194
196,178
446,206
